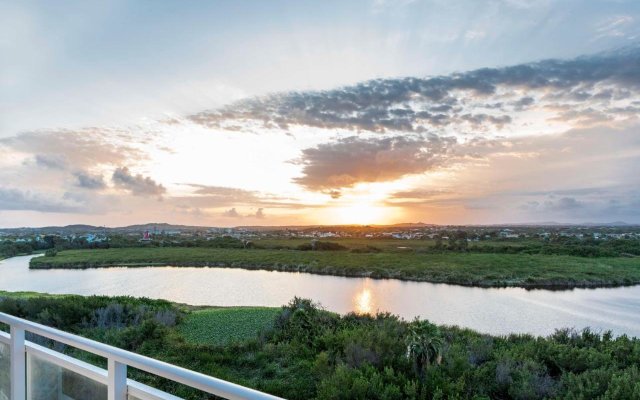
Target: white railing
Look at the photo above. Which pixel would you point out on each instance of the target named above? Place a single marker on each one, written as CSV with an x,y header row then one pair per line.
x,y
119,387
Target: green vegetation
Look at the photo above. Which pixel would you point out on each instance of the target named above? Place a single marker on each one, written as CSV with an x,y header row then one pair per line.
x,y
51,253
12,249
462,241
307,353
217,326
473,269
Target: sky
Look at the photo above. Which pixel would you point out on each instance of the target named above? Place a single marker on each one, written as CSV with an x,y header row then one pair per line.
x,y
227,113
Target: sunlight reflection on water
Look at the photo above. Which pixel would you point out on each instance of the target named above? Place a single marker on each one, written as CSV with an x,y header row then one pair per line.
x,y
363,302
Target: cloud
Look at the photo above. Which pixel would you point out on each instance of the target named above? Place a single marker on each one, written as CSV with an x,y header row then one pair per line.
x,y
577,176
205,196
231,213
50,161
82,148
224,194
137,184
348,161
87,181
418,194
420,104
620,26
471,35
523,103
564,204
467,132
16,199
615,203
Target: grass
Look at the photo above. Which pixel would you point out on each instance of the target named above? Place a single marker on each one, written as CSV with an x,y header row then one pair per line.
x,y
472,269
30,295
384,244
221,326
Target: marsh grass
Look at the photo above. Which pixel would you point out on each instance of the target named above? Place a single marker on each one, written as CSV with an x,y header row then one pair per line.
x,y
471,269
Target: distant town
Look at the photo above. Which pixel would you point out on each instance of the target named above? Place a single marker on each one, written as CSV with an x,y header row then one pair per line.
x,y
176,234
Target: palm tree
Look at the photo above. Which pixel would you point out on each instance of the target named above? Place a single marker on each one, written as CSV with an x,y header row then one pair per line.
x,y
424,346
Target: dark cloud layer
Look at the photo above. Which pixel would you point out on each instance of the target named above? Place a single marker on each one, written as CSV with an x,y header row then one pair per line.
x,y
50,161
345,162
83,148
137,184
15,199
417,104
88,181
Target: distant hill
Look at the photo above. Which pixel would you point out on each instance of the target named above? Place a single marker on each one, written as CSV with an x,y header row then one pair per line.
x,y
329,227
78,228
567,224
163,226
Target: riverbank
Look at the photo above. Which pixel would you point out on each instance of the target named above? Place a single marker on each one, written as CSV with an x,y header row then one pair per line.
x,y
468,269
299,351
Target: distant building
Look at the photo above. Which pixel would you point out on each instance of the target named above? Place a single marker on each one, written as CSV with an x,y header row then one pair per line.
x,y
508,234
146,237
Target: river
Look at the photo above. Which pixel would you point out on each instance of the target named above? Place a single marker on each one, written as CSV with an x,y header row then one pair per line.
x,y
494,311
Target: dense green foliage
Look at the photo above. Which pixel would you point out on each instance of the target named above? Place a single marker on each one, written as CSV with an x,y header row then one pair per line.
x,y
462,241
12,249
308,353
226,325
321,246
566,246
478,269
54,243
159,240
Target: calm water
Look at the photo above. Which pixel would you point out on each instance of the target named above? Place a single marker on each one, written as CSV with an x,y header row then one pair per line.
x,y
497,311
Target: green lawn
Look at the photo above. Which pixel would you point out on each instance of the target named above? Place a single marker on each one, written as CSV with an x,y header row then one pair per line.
x,y
220,326
476,269
31,295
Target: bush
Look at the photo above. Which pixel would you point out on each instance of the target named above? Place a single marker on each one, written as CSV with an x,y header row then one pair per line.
x,y
366,249
51,253
321,246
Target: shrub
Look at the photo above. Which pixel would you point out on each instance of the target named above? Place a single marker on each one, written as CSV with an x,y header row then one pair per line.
x,y
321,246
51,253
366,249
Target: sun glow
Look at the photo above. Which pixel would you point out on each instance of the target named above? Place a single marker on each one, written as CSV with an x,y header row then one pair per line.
x,y
361,214
363,205
363,302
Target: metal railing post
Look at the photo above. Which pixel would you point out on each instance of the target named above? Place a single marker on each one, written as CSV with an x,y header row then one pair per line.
x,y
18,365
117,380
115,377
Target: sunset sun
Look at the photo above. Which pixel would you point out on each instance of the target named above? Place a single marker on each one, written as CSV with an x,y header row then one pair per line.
x,y
362,213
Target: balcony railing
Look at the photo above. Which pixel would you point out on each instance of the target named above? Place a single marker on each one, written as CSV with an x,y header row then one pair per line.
x,y
30,371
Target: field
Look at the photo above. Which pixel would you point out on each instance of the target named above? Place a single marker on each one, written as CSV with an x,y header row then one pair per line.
x,y
472,269
387,245
220,326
